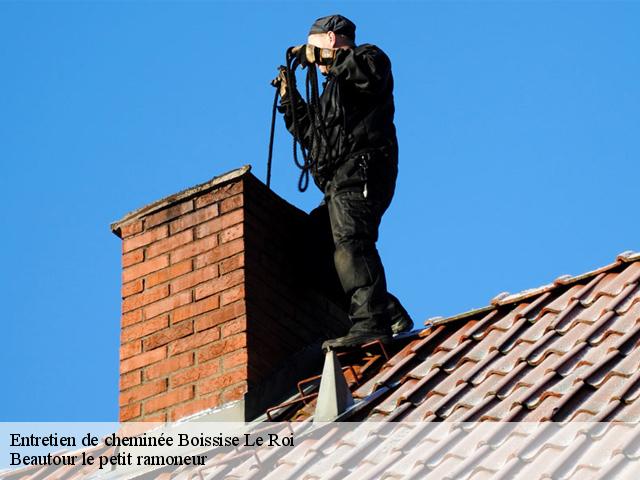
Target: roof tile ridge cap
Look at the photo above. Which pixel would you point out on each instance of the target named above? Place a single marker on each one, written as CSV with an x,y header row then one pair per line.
x,y
628,256
435,321
505,298
151,207
564,280
522,295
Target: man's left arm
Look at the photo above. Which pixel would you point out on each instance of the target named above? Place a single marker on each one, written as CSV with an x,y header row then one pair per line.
x,y
367,69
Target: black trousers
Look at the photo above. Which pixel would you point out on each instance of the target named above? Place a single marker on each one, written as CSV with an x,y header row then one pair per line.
x,y
354,202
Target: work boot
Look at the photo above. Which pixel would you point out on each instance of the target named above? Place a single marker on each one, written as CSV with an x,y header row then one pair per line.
x,y
403,324
361,332
400,319
354,339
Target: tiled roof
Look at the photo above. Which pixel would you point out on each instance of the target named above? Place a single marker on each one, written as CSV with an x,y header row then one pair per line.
x,y
565,352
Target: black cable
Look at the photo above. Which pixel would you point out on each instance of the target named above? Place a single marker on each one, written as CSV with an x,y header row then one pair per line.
x,y
271,136
314,115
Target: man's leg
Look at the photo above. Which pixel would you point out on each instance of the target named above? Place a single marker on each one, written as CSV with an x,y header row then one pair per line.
x,y
320,262
354,222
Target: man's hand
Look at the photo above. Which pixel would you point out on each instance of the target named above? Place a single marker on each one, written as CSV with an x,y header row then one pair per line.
x,y
309,54
280,81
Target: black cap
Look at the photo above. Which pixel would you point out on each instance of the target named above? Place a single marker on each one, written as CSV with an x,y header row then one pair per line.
x,y
336,24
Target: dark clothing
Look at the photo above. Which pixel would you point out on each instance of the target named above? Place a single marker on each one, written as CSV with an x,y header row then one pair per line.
x,y
345,228
354,221
336,24
356,168
357,107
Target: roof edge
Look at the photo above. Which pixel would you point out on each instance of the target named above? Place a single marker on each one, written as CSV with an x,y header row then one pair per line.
x,y
176,197
506,298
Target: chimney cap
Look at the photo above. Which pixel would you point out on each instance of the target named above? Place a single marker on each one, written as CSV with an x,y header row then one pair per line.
x,y
177,197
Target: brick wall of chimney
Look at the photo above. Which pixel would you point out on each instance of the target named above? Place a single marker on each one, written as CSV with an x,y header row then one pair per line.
x,y
215,300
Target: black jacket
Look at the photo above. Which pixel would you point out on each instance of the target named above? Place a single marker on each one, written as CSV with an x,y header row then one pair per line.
x,y
357,108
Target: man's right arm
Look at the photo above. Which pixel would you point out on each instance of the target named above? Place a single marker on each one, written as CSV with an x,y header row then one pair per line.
x,y
303,131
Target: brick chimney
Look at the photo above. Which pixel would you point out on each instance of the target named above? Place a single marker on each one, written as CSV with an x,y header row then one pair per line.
x,y
220,303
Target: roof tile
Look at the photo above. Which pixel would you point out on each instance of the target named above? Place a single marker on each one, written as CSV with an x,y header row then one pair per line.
x,y
536,330
631,274
565,351
562,301
632,299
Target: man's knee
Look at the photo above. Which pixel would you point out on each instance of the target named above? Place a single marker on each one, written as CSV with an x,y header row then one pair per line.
x,y
356,263
355,247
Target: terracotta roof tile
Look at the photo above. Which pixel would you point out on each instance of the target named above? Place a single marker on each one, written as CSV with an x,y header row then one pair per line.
x,y
426,366
632,299
562,302
565,351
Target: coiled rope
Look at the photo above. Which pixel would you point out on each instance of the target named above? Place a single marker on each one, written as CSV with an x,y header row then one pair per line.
x,y
314,114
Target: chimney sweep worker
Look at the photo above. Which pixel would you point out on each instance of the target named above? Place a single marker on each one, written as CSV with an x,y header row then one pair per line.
x,y
353,147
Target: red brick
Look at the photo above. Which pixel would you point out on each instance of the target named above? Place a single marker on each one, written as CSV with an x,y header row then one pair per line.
x,y
231,203
219,194
231,295
219,223
145,390
168,399
130,228
194,341
239,357
234,326
171,364
130,379
193,309
143,329
131,318
170,303
168,214
232,263
145,238
231,233
169,243
131,288
223,347
219,316
169,273
129,412
194,278
150,295
194,248
236,392
194,218
219,284
142,360
141,269
220,252
196,373
222,381
159,417
132,258
195,406
167,335
130,349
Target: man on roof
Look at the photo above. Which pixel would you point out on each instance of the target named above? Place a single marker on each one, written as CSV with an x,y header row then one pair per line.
x,y
355,165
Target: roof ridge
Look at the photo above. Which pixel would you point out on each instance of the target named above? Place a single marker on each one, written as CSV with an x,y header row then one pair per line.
x,y
506,298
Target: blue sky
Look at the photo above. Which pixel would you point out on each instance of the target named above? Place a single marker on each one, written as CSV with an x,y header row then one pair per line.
x,y
519,143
